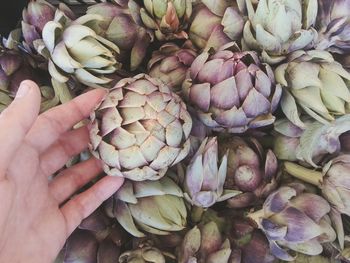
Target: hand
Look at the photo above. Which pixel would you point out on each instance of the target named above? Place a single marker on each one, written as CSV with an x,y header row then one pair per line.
x,y
37,216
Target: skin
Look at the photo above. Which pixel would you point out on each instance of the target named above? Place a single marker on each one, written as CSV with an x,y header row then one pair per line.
x,y
37,214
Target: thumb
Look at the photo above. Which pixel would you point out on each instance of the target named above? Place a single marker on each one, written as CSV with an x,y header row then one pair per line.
x,y
16,120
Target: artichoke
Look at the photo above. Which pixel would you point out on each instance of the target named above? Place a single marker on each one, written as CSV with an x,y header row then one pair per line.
x,y
156,207
277,28
123,26
333,26
313,145
75,50
170,64
146,252
204,243
295,220
232,91
35,17
204,180
15,68
251,245
314,84
97,239
250,170
168,18
333,180
140,129
215,23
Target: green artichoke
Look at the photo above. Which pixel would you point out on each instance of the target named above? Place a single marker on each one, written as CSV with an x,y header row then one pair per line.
x,y
168,18
232,91
122,25
155,207
251,170
204,243
170,64
314,84
204,180
73,49
277,28
333,26
140,129
146,252
215,23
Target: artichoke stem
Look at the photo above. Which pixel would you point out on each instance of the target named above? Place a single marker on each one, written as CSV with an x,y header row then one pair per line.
x,y
304,174
197,213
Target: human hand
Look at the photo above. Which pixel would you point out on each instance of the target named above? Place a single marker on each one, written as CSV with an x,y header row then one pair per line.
x,y
37,216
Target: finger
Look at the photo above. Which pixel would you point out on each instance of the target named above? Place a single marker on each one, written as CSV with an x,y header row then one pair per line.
x,y
74,178
68,145
85,203
52,123
16,120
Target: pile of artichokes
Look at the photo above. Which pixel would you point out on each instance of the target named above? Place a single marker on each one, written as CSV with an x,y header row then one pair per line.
x,y
228,119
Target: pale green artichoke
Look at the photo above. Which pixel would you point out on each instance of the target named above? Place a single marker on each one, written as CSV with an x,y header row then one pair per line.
x,y
75,50
170,64
168,18
215,23
276,28
314,84
140,129
232,91
295,220
122,25
155,207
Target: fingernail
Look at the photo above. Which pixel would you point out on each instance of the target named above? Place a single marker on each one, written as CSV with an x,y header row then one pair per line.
x,y
23,90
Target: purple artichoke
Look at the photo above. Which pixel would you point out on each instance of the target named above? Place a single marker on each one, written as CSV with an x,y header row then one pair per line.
x,y
35,17
295,220
204,180
232,91
215,23
333,26
250,170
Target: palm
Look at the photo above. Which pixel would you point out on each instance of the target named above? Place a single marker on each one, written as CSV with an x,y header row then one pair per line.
x,y
35,216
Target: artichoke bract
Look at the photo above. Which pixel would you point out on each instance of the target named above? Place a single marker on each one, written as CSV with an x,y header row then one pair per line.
x,y
251,170
123,26
168,18
140,129
74,49
35,17
215,23
277,28
155,207
232,91
204,243
314,84
295,220
204,180
333,26
170,64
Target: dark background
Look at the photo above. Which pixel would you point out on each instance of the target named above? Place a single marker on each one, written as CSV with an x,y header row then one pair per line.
x,y
10,14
